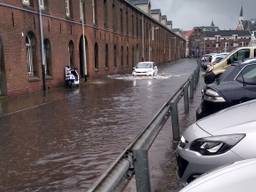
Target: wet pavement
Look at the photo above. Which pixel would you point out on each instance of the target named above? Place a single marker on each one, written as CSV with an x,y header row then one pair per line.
x,y
65,141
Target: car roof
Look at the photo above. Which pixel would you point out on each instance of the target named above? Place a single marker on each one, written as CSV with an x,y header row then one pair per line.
x,y
241,177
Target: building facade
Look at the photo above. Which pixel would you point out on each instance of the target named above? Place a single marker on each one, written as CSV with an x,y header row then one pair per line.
x,y
98,37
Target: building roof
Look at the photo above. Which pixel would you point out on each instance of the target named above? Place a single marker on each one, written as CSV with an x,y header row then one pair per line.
x,y
226,33
155,11
164,17
169,22
187,33
139,2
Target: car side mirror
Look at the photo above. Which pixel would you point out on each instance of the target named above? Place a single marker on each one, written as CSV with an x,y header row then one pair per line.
x,y
228,61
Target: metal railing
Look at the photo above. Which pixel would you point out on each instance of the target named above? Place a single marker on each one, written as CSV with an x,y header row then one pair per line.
x,y
134,159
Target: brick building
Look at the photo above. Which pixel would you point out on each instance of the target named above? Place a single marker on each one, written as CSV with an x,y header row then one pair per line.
x,y
210,39
116,35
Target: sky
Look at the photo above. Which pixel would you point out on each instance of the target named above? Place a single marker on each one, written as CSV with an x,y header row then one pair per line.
x,y
186,14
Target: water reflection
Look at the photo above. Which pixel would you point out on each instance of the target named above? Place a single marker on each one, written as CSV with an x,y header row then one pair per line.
x,y
67,143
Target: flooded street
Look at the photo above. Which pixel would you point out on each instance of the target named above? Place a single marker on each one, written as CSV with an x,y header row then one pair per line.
x,y
66,141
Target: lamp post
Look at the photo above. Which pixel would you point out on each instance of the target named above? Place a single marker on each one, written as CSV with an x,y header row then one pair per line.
x,y
42,46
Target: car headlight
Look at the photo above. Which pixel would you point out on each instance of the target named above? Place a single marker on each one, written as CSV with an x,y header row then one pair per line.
x,y
216,145
213,96
209,68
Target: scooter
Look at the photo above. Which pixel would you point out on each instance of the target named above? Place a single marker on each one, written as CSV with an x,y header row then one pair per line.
x,y
71,77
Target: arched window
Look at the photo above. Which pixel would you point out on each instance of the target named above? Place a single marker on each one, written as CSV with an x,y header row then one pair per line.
x,y
106,56
71,51
115,56
48,59
96,56
122,56
127,56
31,54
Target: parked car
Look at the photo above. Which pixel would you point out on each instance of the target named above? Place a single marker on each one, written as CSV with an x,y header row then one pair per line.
x,y
237,177
218,57
206,60
147,68
217,140
236,85
238,55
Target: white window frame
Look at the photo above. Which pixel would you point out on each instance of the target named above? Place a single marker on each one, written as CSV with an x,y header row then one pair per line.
x,y
26,2
30,57
41,4
67,8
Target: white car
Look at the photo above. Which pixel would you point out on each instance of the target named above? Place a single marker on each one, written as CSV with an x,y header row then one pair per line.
x,y
147,68
237,177
217,140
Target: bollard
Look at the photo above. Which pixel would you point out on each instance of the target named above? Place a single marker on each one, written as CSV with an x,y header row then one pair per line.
x,y
175,121
186,99
142,175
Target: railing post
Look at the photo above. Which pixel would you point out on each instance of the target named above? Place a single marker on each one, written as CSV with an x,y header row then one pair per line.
x,y
191,84
175,121
186,99
142,175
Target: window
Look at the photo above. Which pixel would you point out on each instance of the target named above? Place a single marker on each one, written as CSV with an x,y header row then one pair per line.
x,y
115,56
105,14
248,75
31,54
254,52
122,56
127,23
240,55
96,56
106,56
114,17
43,4
47,54
121,21
82,11
26,2
71,62
68,8
94,11
127,56
132,25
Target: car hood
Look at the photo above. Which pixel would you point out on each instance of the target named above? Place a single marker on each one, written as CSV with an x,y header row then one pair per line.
x,y
240,174
142,69
238,118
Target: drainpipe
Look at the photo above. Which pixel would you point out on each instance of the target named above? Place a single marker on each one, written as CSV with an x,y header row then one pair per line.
x,y
84,52
42,47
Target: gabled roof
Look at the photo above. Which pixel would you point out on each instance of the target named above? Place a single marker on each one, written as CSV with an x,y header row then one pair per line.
x,y
155,11
139,2
226,33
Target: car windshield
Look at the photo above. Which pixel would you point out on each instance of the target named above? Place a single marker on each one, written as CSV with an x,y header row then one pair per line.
x,y
144,65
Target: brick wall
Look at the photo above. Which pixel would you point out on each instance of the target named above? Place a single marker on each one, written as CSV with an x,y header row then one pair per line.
x,y
17,21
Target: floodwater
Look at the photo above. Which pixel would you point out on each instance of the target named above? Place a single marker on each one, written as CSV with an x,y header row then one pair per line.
x,y
65,142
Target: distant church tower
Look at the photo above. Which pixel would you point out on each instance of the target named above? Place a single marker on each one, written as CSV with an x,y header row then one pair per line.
x,y
241,19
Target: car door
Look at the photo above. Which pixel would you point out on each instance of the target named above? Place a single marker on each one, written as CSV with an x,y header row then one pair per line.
x,y
240,55
247,80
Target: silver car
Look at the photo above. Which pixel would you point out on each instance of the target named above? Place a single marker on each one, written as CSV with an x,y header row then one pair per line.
x,y
237,177
219,139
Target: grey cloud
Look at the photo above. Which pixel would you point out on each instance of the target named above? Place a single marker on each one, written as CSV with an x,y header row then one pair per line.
x,y
188,13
